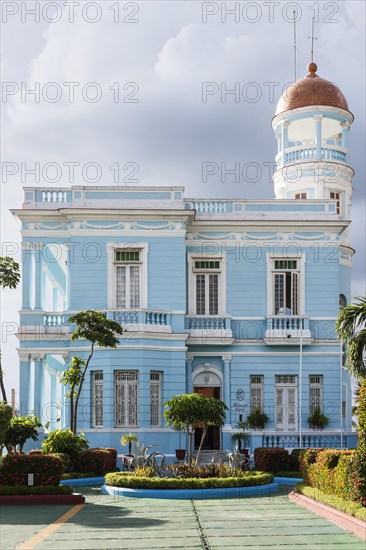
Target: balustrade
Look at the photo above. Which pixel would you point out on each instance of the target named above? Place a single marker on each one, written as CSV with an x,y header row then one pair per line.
x,y
292,441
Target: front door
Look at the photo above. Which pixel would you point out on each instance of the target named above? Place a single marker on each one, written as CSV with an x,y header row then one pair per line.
x,y
286,408
212,439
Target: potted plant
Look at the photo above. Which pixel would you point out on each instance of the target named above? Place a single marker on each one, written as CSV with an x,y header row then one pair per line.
x,y
180,453
241,436
128,439
257,419
318,420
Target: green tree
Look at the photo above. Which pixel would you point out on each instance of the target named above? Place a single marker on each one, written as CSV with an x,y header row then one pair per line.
x,y
359,461
191,411
21,429
6,413
351,329
9,278
94,326
72,377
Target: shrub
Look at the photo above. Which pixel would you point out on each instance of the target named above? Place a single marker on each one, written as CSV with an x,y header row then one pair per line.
x,y
13,490
14,469
64,441
21,428
133,482
271,460
99,461
347,506
78,475
306,459
359,462
322,472
295,460
290,473
187,470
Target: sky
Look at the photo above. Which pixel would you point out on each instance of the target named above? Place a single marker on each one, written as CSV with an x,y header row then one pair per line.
x,y
138,93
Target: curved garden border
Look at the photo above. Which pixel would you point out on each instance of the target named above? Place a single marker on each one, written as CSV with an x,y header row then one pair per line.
x,y
186,494
83,481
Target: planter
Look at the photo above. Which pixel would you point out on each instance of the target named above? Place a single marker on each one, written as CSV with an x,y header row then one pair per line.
x,y
180,454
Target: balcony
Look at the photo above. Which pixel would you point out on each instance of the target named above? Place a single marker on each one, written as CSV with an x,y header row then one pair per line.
x,y
287,329
209,329
145,320
303,153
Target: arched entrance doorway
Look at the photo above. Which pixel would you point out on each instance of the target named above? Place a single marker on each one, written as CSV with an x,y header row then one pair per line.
x,y
207,381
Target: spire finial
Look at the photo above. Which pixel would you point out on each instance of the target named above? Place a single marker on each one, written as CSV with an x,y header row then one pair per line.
x,y
312,39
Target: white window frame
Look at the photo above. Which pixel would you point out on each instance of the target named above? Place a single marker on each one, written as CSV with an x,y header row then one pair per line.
x,y
192,272
338,197
125,382
271,257
112,247
256,386
316,387
97,383
300,196
156,382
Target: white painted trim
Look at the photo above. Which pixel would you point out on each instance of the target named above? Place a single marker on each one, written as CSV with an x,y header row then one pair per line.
x,y
193,256
210,369
111,271
101,233
270,259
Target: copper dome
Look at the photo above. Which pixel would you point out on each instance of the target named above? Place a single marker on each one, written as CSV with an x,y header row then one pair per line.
x,y
311,90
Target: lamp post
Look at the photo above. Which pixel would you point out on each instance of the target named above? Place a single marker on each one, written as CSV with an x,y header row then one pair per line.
x,y
340,390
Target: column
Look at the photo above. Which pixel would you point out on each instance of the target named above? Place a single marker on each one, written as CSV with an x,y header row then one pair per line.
x,y
24,383
30,386
27,255
64,401
318,136
39,388
68,275
226,359
53,400
345,128
284,138
189,381
38,277
44,287
54,297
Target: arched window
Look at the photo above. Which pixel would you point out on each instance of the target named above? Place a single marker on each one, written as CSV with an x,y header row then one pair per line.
x,y
342,301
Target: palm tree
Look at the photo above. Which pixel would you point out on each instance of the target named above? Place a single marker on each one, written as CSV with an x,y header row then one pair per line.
x,y
128,439
351,329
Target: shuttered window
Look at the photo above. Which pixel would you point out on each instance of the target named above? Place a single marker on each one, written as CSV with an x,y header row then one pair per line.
x,y
125,399
97,399
155,398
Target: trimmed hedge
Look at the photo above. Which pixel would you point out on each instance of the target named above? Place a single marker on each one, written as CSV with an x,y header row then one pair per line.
x,y
271,459
14,469
133,482
78,475
295,460
11,490
307,458
290,473
343,505
98,461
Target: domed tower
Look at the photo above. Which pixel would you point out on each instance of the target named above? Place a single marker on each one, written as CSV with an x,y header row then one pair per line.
x,y
311,124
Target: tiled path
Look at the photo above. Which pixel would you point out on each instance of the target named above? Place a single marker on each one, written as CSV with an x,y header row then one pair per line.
x,y
106,523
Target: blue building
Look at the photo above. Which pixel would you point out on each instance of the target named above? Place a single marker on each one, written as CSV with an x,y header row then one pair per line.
x,y
233,298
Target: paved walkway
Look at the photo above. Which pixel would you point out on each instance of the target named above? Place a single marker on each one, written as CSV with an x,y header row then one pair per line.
x,y
106,523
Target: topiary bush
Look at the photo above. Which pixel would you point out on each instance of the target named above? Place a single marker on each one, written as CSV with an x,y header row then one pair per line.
x,y
272,460
6,413
21,428
13,490
14,469
64,441
98,461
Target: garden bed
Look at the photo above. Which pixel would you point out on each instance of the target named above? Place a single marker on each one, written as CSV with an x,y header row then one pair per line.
x,y
332,513
249,484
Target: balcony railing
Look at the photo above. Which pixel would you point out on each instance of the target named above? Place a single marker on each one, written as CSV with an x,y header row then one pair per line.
x,y
54,320
141,317
287,322
316,440
198,322
301,153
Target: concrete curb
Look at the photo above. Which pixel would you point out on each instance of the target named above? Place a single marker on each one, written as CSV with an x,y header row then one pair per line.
x,y
351,524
